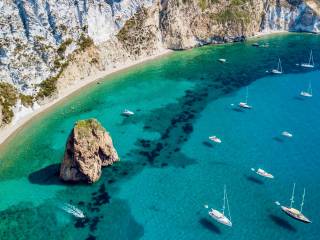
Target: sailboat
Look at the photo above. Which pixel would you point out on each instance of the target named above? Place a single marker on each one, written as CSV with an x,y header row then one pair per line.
x,y
311,62
262,173
245,104
307,93
279,68
219,216
294,213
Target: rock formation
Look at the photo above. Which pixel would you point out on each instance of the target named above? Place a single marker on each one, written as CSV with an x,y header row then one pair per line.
x,y
89,147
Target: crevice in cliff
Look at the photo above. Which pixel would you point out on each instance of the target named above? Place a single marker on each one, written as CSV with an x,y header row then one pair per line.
x,y
23,17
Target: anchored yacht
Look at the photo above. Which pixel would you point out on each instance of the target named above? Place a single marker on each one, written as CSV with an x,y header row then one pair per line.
x,y
279,68
287,134
295,213
245,104
220,216
310,64
262,173
215,139
127,113
307,93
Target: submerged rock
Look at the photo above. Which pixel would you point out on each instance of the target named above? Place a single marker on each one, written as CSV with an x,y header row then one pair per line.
x,y
89,147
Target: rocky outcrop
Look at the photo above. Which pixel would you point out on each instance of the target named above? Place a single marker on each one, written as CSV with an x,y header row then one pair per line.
x,y
89,147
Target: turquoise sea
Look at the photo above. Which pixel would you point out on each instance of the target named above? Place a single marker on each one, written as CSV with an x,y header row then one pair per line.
x,y
168,168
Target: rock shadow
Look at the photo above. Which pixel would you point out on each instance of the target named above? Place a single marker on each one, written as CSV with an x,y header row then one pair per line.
x,y
209,225
282,223
48,175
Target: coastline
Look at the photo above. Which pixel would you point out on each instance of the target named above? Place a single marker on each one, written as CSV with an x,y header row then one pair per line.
x,y
9,130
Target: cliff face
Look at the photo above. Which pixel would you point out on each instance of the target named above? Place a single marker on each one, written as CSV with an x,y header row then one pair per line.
x,y
46,45
187,23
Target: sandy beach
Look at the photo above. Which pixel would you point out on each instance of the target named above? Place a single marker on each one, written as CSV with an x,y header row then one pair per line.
x,y
10,129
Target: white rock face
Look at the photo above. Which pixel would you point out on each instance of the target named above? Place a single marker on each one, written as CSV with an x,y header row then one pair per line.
x,y
284,17
32,31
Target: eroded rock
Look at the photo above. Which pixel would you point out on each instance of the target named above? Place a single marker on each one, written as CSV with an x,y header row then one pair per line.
x,y
89,147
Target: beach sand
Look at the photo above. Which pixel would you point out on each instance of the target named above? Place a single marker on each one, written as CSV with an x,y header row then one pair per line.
x,y
10,129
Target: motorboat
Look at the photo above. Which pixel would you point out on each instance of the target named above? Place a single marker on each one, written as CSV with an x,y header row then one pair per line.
x,y
215,139
262,173
127,113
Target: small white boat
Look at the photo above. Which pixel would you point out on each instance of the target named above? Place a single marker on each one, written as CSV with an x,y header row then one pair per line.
x,y
311,62
262,173
127,112
295,213
245,104
219,216
73,210
215,139
279,68
287,134
307,93
222,60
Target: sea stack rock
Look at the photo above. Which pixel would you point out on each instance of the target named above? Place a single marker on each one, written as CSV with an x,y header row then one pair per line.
x,y
89,147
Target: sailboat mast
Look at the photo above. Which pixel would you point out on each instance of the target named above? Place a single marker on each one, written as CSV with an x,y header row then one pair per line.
x,y
292,197
311,59
228,207
280,66
302,202
224,199
310,88
247,93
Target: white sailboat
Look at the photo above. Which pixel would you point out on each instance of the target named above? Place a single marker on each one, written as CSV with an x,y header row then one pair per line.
x,y
262,173
219,216
279,68
311,62
307,93
295,213
245,104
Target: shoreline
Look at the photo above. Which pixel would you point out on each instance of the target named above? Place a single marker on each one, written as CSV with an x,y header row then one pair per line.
x,y
9,131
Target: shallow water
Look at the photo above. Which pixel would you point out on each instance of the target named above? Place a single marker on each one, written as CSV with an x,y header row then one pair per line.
x,y
168,168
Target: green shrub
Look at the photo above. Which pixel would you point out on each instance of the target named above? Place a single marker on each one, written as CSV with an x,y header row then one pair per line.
x,y
62,48
8,98
26,100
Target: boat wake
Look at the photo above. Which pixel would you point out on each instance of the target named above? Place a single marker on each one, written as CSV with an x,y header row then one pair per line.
x,y
68,208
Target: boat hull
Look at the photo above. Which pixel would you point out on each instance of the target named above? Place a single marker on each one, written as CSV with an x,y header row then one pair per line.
x,y
307,65
244,105
274,71
295,214
219,217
